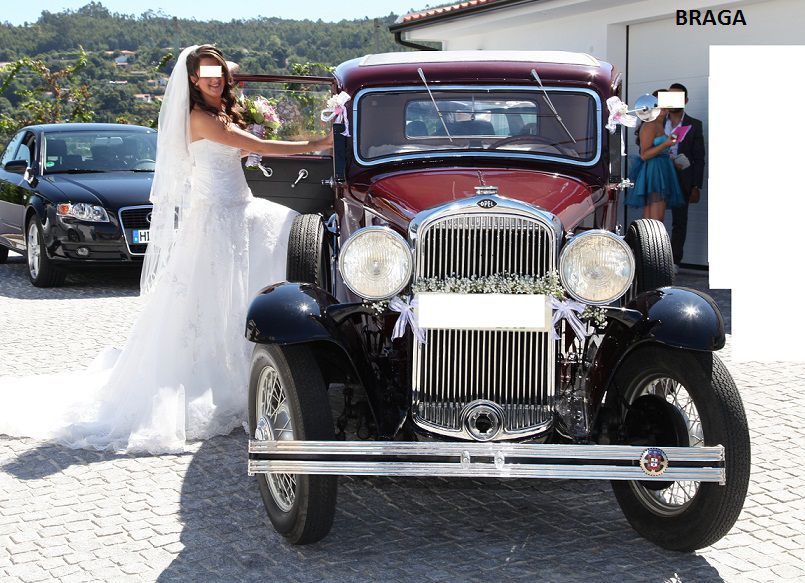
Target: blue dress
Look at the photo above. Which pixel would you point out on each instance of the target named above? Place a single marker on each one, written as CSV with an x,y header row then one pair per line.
x,y
655,180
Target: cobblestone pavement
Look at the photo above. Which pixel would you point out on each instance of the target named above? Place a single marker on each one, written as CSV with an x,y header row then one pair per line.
x,y
81,516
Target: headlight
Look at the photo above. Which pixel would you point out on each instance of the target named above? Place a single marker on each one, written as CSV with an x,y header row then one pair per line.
x,y
375,263
596,267
83,211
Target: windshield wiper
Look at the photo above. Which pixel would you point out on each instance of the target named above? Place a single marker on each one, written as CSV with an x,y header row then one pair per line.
x,y
441,119
75,171
139,169
550,104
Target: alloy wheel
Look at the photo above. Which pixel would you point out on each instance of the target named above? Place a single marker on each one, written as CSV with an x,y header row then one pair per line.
x,y
34,249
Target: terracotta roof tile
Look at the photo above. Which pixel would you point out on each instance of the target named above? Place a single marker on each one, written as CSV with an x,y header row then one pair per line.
x,y
458,7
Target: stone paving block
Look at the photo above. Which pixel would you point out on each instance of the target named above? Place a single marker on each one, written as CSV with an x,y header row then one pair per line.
x,y
208,523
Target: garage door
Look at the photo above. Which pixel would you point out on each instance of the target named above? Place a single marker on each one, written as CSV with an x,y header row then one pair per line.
x,y
661,53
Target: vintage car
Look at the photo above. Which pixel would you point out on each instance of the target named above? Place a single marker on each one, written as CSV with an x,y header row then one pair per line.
x,y
75,195
461,301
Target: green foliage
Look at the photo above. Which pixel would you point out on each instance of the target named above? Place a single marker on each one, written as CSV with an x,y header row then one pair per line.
x,y
260,46
54,96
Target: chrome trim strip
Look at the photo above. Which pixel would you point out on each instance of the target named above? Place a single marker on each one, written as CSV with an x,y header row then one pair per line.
x,y
477,470
122,228
466,153
465,466
714,453
469,207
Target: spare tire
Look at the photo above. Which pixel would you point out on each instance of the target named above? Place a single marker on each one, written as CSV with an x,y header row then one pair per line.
x,y
654,260
308,252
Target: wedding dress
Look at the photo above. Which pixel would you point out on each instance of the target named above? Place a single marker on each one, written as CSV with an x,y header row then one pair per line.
x,y
184,371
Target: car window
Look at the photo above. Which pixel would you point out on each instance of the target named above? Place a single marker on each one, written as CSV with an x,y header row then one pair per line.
x,y
11,150
499,121
100,151
26,149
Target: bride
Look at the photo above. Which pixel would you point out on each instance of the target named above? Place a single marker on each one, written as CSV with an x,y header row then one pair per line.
x,y
183,373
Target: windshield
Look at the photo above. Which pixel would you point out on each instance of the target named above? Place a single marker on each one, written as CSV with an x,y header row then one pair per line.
x,y
504,121
100,151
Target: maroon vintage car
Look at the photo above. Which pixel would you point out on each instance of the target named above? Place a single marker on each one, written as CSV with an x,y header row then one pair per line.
x,y
461,302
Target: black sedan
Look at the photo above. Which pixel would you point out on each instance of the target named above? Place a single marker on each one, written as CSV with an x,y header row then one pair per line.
x,y
76,194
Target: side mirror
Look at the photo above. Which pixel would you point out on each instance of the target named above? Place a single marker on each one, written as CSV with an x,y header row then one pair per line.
x,y
16,166
647,108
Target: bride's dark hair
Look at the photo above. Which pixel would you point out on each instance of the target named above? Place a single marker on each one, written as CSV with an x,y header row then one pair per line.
x,y
230,111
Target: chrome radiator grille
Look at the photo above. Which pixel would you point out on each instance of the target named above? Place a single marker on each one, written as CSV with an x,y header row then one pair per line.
x,y
465,245
514,369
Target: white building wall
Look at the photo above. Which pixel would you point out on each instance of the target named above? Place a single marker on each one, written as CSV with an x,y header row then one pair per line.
x,y
660,52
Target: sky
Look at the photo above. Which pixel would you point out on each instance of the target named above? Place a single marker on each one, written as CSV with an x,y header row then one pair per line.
x,y
327,10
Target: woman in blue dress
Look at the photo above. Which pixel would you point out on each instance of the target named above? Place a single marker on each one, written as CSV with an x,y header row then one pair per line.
x,y
656,186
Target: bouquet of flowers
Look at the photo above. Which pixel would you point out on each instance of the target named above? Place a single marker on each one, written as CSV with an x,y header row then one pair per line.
x,y
264,122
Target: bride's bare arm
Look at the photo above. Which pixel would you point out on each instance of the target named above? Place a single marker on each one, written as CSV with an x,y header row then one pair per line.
x,y
203,125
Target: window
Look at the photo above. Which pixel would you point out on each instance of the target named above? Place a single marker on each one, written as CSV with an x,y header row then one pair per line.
x,y
483,120
11,150
100,151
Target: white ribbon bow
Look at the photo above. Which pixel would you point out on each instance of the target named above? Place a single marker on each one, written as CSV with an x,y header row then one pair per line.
x,y
406,318
618,115
567,310
336,111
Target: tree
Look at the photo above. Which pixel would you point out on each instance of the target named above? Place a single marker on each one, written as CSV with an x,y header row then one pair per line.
x,y
58,98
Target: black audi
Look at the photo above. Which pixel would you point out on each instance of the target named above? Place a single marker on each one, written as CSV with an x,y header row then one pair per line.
x,y
76,194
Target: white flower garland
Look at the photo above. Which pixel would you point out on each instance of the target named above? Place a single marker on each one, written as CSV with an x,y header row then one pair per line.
x,y
504,283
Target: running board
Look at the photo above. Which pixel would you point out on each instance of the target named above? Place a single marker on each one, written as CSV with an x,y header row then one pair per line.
x,y
497,460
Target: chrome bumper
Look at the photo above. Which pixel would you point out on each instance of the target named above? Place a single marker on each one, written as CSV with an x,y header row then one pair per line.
x,y
474,460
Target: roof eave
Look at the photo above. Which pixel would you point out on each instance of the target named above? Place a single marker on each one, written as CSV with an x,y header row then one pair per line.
x,y
454,14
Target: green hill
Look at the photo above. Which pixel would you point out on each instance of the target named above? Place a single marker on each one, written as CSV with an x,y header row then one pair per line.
x,y
124,50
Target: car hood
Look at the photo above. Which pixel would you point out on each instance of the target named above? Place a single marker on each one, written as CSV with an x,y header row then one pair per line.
x,y
399,197
111,190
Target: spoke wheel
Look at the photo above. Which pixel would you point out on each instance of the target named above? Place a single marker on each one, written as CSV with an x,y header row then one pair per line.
x,y
274,423
672,397
288,401
672,498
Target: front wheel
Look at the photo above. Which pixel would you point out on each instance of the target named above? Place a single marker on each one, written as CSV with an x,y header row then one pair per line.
x,y
672,397
288,401
41,270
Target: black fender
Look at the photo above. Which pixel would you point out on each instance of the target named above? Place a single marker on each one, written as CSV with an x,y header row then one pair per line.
x,y
677,317
303,313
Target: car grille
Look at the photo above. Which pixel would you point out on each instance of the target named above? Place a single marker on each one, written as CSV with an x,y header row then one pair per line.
x,y
135,218
514,369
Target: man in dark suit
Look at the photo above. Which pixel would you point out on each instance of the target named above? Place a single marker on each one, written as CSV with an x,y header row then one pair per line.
x,y
688,158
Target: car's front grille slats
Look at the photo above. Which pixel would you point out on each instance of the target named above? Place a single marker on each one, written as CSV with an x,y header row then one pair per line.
x,y
514,369
468,245
135,217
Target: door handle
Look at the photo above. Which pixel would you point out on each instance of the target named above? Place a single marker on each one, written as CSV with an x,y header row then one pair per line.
x,y
302,175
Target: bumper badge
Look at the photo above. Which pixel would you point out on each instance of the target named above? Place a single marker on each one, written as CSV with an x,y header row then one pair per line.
x,y
653,462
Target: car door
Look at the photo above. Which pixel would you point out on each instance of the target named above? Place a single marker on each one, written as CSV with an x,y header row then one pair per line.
x,y
12,192
303,182
298,182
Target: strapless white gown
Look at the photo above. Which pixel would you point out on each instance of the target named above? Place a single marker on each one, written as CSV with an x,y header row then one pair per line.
x,y
183,373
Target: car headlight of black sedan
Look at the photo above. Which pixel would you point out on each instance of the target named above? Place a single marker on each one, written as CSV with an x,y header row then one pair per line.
x,y
83,211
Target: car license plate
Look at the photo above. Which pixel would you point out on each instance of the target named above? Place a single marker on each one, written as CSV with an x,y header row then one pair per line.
x,y
139,236
445,311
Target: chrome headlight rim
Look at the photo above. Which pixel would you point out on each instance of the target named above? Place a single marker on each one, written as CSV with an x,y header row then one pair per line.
x,y
394,234
581,237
